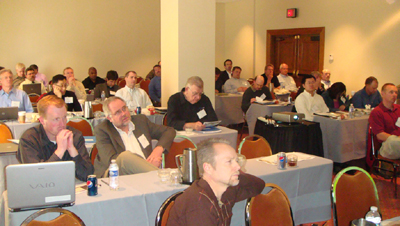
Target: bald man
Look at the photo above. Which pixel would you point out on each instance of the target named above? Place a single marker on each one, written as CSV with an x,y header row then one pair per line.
x,y
326,76
256,90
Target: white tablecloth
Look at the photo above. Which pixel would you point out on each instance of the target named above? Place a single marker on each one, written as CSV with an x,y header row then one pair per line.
x,y
344,140
228,109
140,196
257,110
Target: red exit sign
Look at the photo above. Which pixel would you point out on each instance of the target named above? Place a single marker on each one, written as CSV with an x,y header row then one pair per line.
x,y
291,13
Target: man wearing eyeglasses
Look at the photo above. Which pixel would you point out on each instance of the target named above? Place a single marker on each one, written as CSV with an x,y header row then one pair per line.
x,y
128,140
190,108
59,84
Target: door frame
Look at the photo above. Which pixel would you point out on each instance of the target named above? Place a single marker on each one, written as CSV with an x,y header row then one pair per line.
x,y
299,31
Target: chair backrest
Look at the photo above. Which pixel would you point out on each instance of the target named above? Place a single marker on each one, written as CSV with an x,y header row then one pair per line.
x,y
139,80
66,218
352,195
81,124
272,208
145,86
97,107
254,146
177,149
163,212
121,83
373,146
93,153
164,120
5,133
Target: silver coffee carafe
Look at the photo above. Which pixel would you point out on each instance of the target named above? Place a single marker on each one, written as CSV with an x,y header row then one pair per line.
x,y
88,110
187,165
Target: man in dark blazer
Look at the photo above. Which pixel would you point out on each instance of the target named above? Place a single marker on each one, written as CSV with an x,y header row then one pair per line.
x,y
225,75
109,87
128,140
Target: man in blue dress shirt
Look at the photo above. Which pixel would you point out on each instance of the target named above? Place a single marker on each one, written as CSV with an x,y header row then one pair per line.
x,y
12,97
368,95
155,86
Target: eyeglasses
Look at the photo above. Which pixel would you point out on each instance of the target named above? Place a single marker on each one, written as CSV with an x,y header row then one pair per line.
x,y
196,94
120,111
63,86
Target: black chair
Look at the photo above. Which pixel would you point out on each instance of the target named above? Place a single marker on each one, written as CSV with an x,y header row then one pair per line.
x,y
163,212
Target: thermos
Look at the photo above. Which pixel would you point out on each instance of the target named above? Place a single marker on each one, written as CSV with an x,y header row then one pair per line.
x,y
88,111
187,165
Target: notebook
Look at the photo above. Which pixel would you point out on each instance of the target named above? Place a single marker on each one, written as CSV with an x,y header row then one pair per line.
x,y
39,185
33,88
8,113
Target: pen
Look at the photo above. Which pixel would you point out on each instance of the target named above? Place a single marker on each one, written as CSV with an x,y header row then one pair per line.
x,y
105,182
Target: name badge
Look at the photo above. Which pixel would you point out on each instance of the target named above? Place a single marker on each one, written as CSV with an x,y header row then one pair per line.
x,y
398,122
14,103
202,113
263,96
143,141
112,93
69,100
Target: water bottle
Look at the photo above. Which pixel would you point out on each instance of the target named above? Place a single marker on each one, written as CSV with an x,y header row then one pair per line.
x,y
373,216
114,172
352,111
103,95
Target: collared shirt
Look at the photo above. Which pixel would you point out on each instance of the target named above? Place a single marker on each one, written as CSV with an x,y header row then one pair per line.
x,y
21,86
130,141
155,88
287,82
16,95
134,97
78,89
17,81
307,104
232,84
274,80
42,78
383,119
327,84
361,98
252,93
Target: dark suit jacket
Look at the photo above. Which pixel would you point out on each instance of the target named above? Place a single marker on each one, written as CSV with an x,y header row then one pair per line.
x,y
103,87
110,144
222,79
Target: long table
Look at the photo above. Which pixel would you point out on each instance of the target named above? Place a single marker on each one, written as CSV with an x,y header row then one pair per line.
x,y
140,196
344,140
256,110
228,108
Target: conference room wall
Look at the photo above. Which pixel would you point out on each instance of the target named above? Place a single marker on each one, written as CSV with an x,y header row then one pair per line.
x,y
361,35
118,35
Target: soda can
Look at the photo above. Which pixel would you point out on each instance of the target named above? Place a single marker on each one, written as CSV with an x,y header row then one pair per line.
x,y
138,110
281,160
91,185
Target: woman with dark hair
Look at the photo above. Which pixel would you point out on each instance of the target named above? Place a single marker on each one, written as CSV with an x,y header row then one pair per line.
x,y
335,97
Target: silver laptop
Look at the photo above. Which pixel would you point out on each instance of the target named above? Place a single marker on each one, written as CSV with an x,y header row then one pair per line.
x,y
9,113
33,88
39,185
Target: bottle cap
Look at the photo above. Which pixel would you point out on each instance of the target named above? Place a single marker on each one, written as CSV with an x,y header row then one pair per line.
x,y
374,208
113,161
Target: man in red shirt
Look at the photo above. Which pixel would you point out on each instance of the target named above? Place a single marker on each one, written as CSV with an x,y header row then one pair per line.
x,y
385,122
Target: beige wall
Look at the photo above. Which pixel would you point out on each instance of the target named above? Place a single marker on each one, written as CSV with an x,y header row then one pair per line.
x,y
361,35
55,34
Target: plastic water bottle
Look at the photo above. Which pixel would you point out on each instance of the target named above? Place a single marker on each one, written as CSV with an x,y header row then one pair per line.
x,y
103,95
114,173
373,216
352,111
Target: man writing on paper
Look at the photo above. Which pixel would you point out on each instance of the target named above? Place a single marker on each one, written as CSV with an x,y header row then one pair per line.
x,y
128,140
256,92
53,140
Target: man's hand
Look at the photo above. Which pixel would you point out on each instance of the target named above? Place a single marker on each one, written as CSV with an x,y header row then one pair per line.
x,y
71,81
62,143
155,157
252,100
71,148
57,91
195,125
241,89
342,107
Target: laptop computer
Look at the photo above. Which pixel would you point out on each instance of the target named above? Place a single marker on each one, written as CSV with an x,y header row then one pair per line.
x,y
39,185
9,113
33,88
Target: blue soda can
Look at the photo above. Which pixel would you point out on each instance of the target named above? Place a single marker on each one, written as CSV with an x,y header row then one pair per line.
x,y
281,160
138,110
92,185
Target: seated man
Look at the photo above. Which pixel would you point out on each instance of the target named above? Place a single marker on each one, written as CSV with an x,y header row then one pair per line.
x,y
190,107
20,76
269,76
30,79
319,87
256,90
109,87
326,75
209,200
74,85
369,95
39,77
385,122
133,96
227,74
12,97
53,140
309,102
218,83
155,86
59,89
286,81
236,84
128,140
92,80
